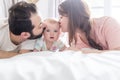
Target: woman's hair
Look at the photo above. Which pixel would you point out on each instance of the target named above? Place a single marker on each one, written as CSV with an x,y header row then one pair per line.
x,y
78,14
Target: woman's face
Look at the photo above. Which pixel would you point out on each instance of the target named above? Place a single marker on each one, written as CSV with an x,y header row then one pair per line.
x,y
63,23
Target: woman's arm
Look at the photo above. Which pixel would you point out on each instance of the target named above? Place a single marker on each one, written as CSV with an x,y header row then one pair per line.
x,y
91,50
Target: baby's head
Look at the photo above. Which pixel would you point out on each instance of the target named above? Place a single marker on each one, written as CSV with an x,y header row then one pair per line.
x,y
52,30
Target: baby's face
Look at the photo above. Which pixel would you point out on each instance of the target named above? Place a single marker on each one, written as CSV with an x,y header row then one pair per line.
x,y
51,32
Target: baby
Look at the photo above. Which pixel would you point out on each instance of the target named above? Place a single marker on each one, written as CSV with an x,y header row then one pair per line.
x,y
50,39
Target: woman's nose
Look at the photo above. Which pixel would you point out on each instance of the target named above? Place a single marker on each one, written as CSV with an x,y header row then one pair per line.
x,y
59,20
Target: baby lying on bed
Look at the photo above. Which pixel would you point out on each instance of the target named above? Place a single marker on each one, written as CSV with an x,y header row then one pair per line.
x,y
50,39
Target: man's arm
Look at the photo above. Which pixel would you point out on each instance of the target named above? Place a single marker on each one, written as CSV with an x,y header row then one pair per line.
x,y
27,46
7,54
24,51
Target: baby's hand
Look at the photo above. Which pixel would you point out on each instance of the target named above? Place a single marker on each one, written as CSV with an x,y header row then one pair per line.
x,y
35,50
72,48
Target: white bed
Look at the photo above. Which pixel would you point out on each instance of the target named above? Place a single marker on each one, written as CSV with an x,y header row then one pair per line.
x,y
67,65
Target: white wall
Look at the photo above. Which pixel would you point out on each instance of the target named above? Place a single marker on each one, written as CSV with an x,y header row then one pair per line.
x,y
2,9
101,8
42,6
46,8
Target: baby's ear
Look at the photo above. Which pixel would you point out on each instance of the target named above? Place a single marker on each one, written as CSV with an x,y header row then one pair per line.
x,y
25,35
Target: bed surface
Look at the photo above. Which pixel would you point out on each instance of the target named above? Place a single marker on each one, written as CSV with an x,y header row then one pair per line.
x,y
67,65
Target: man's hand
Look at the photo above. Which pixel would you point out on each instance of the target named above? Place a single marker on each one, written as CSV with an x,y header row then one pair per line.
x,y
7,54
24,51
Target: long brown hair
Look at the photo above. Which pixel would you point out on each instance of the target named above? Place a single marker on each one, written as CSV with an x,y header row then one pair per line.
x,y
78,14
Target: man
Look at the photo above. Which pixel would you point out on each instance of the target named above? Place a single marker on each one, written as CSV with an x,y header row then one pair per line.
x,y
24,23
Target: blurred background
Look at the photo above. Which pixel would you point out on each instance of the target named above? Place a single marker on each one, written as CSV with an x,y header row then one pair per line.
x,y
48,8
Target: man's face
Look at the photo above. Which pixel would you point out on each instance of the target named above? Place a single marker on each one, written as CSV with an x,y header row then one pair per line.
x,y
38,27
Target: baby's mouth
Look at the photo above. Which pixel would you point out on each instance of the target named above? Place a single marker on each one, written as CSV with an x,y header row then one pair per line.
x,y
51,37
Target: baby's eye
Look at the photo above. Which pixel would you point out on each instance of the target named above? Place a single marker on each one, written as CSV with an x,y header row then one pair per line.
x,y
55,30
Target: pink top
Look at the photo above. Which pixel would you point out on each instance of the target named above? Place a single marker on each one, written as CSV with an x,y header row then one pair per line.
x,y
105,31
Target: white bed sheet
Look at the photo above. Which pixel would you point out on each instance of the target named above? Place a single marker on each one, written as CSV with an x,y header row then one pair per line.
x,y
67,65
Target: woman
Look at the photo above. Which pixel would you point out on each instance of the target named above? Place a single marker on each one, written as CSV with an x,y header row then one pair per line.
x,y
85,33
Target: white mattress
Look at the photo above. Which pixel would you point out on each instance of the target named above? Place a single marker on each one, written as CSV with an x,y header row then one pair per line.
x,y
67,65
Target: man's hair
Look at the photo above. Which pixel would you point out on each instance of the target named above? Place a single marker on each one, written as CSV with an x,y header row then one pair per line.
x,y
19,17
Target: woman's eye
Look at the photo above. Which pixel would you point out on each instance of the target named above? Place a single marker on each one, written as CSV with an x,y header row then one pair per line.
x,y
60,17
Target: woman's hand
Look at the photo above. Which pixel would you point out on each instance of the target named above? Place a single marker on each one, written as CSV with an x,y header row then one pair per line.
x,y
90,50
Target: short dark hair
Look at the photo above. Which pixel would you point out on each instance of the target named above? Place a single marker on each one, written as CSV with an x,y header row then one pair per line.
x,y
19,17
